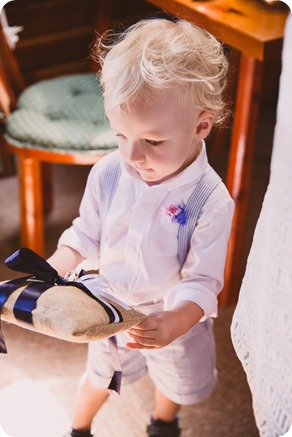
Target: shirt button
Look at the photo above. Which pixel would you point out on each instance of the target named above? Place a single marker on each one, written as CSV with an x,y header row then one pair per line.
x,y
132,249
144,205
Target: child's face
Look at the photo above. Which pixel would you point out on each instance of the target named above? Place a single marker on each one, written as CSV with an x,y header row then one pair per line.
x,y
161,137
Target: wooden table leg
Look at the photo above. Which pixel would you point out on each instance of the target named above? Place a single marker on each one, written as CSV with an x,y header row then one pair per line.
x,y
31,203
103,16
239,172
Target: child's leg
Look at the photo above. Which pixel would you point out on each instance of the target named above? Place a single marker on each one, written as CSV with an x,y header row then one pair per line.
x,y
184,372
164,421
164,408
88,401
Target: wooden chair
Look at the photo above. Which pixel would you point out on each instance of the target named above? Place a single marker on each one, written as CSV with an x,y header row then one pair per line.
x,y
59,120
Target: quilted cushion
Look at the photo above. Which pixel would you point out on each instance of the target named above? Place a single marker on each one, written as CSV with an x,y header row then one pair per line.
x,y
64,114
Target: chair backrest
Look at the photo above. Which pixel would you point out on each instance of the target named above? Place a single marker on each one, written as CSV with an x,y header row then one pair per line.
x,y
11,80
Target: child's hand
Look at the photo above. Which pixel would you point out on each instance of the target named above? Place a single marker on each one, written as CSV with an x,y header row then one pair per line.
x,y
158,330
163,327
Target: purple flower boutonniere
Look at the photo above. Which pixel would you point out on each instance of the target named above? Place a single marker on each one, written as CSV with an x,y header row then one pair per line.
x,y
177,214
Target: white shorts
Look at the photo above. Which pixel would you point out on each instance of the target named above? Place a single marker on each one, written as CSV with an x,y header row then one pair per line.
x,y
184,371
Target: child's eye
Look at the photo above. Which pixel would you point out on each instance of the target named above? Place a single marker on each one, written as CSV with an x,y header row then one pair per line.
x,y
153,143
121,136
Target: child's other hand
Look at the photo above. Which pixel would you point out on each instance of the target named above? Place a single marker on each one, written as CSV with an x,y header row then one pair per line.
x,y
161,328
158,330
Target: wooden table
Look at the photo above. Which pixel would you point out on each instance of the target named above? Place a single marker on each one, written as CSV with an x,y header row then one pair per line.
x,y
256,31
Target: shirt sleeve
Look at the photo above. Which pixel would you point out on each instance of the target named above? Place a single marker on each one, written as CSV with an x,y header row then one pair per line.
x,y
84,234
202,276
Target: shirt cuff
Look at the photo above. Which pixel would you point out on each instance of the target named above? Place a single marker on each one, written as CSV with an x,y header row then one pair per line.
x,y
206,300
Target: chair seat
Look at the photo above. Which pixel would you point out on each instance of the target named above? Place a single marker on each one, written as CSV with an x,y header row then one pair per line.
x,y
63,115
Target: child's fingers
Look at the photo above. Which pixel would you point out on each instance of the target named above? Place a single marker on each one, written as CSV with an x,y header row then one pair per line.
x,y
138,346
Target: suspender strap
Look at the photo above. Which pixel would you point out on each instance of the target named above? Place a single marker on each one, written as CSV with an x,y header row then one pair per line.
x,y
110,182
193,208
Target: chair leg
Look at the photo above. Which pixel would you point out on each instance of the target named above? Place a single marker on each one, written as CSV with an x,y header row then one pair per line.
x,y
31,203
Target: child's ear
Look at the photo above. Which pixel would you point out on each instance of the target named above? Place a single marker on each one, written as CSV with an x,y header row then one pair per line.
x,y
204,124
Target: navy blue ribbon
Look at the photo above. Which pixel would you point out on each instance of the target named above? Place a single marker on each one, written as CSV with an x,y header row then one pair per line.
x,y
6,290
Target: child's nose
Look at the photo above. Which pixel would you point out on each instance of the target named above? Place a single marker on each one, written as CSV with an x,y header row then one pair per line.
x,y
135,153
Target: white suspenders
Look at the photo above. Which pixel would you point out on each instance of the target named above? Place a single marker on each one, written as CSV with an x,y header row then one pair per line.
x,y
193,206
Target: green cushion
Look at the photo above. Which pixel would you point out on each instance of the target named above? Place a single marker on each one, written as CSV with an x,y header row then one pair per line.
x,y
63,114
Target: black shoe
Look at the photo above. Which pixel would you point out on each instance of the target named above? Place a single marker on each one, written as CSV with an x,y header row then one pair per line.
x,y
159,428
76,433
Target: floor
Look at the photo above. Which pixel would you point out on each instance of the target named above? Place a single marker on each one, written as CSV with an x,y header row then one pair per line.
x,y
39,375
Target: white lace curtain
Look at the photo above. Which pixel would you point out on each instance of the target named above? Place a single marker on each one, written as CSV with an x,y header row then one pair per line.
x,y
262,322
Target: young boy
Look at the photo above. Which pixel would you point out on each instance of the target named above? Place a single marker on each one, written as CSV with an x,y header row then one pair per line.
x,y
163,84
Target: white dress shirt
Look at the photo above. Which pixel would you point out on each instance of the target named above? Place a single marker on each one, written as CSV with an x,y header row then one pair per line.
x,y
135,241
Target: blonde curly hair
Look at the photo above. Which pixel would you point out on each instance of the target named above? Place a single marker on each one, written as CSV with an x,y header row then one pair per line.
x,y
158,54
